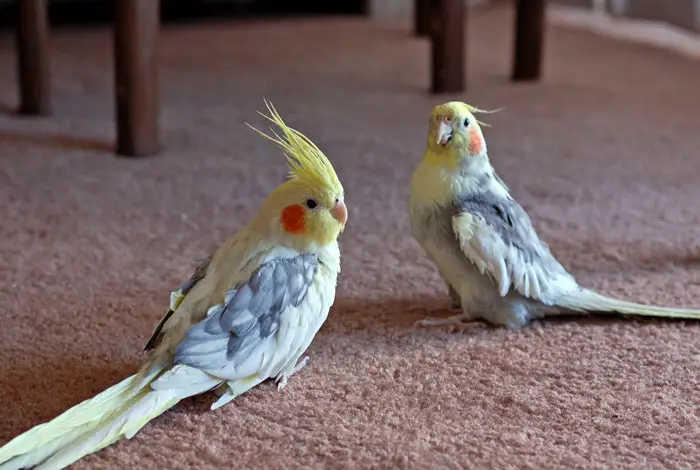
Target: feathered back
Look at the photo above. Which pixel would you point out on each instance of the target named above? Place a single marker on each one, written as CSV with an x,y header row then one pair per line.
x,y
307,163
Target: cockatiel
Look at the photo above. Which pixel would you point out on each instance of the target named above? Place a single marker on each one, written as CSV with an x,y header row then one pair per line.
x,y
247,314
483,243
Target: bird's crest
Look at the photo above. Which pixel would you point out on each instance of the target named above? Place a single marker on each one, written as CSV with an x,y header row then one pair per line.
x,y
473,110
306,162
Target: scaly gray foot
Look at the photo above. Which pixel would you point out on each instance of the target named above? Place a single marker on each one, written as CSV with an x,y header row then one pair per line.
x,y
460,319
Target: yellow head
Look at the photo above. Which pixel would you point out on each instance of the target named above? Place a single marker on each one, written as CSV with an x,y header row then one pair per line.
x,y
307,211
454,133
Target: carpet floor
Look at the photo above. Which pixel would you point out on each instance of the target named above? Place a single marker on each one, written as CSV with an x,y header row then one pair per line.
x,y
603,153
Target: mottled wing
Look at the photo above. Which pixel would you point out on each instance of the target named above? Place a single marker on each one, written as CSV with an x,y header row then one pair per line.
x,y
229,342
176,299
497,236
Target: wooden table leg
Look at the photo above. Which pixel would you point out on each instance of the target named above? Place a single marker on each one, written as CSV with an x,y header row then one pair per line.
x,y
136,30
33,58
447,46
529,39
421,17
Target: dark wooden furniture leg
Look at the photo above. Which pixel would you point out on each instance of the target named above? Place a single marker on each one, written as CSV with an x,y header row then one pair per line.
x,y
447,46
33,58
421,17
529,39
136,29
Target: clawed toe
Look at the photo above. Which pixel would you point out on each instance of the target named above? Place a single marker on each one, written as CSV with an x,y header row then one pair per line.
x,y
457,321
283,378
454,320
281,382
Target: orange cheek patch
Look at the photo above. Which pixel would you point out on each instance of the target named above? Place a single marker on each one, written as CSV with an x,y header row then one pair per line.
x,y
476,143
293,219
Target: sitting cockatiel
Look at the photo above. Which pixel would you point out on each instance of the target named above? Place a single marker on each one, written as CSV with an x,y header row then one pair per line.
x,y
247,314
483,243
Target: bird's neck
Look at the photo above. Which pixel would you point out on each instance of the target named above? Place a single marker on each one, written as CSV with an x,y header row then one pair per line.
x,y
440,181
269,233
329,256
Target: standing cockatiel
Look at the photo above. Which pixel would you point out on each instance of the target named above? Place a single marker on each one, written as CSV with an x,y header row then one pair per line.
x,y
246,315
483,243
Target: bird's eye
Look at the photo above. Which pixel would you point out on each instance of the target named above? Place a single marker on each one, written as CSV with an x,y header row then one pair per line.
x,y
466,122
311,203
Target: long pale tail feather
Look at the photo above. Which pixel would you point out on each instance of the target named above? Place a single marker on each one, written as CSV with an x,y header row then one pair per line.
x,y
71,420
118,412
41,452
125,424
590,301
76,416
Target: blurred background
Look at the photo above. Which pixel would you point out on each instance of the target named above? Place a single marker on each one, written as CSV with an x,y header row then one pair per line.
x,y
681,13
100,11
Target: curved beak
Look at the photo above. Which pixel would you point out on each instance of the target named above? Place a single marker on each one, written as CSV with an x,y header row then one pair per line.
x,y
444,132
340,213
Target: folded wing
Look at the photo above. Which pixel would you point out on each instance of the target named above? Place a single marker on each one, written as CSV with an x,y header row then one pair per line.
x,y
497,236
233,340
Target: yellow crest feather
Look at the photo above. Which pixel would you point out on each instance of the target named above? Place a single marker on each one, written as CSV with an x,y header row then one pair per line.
x,y
473,110
306,162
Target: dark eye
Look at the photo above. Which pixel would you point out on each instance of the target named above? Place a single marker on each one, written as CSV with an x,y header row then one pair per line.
x,y
311,203
466,122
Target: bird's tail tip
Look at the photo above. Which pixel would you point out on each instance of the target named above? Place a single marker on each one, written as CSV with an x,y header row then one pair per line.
x,y
118,412
83,429
587,300
60,427
67,444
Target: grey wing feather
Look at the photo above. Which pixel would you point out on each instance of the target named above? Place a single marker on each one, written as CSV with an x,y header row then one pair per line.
x,y
198,274
250,313
527,263
506,217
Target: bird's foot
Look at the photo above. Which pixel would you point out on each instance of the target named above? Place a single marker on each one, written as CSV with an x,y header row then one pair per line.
x,y
455,320
283,378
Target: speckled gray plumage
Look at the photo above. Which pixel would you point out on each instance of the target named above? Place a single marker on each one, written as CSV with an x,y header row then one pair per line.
x,y
511,222
250,313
